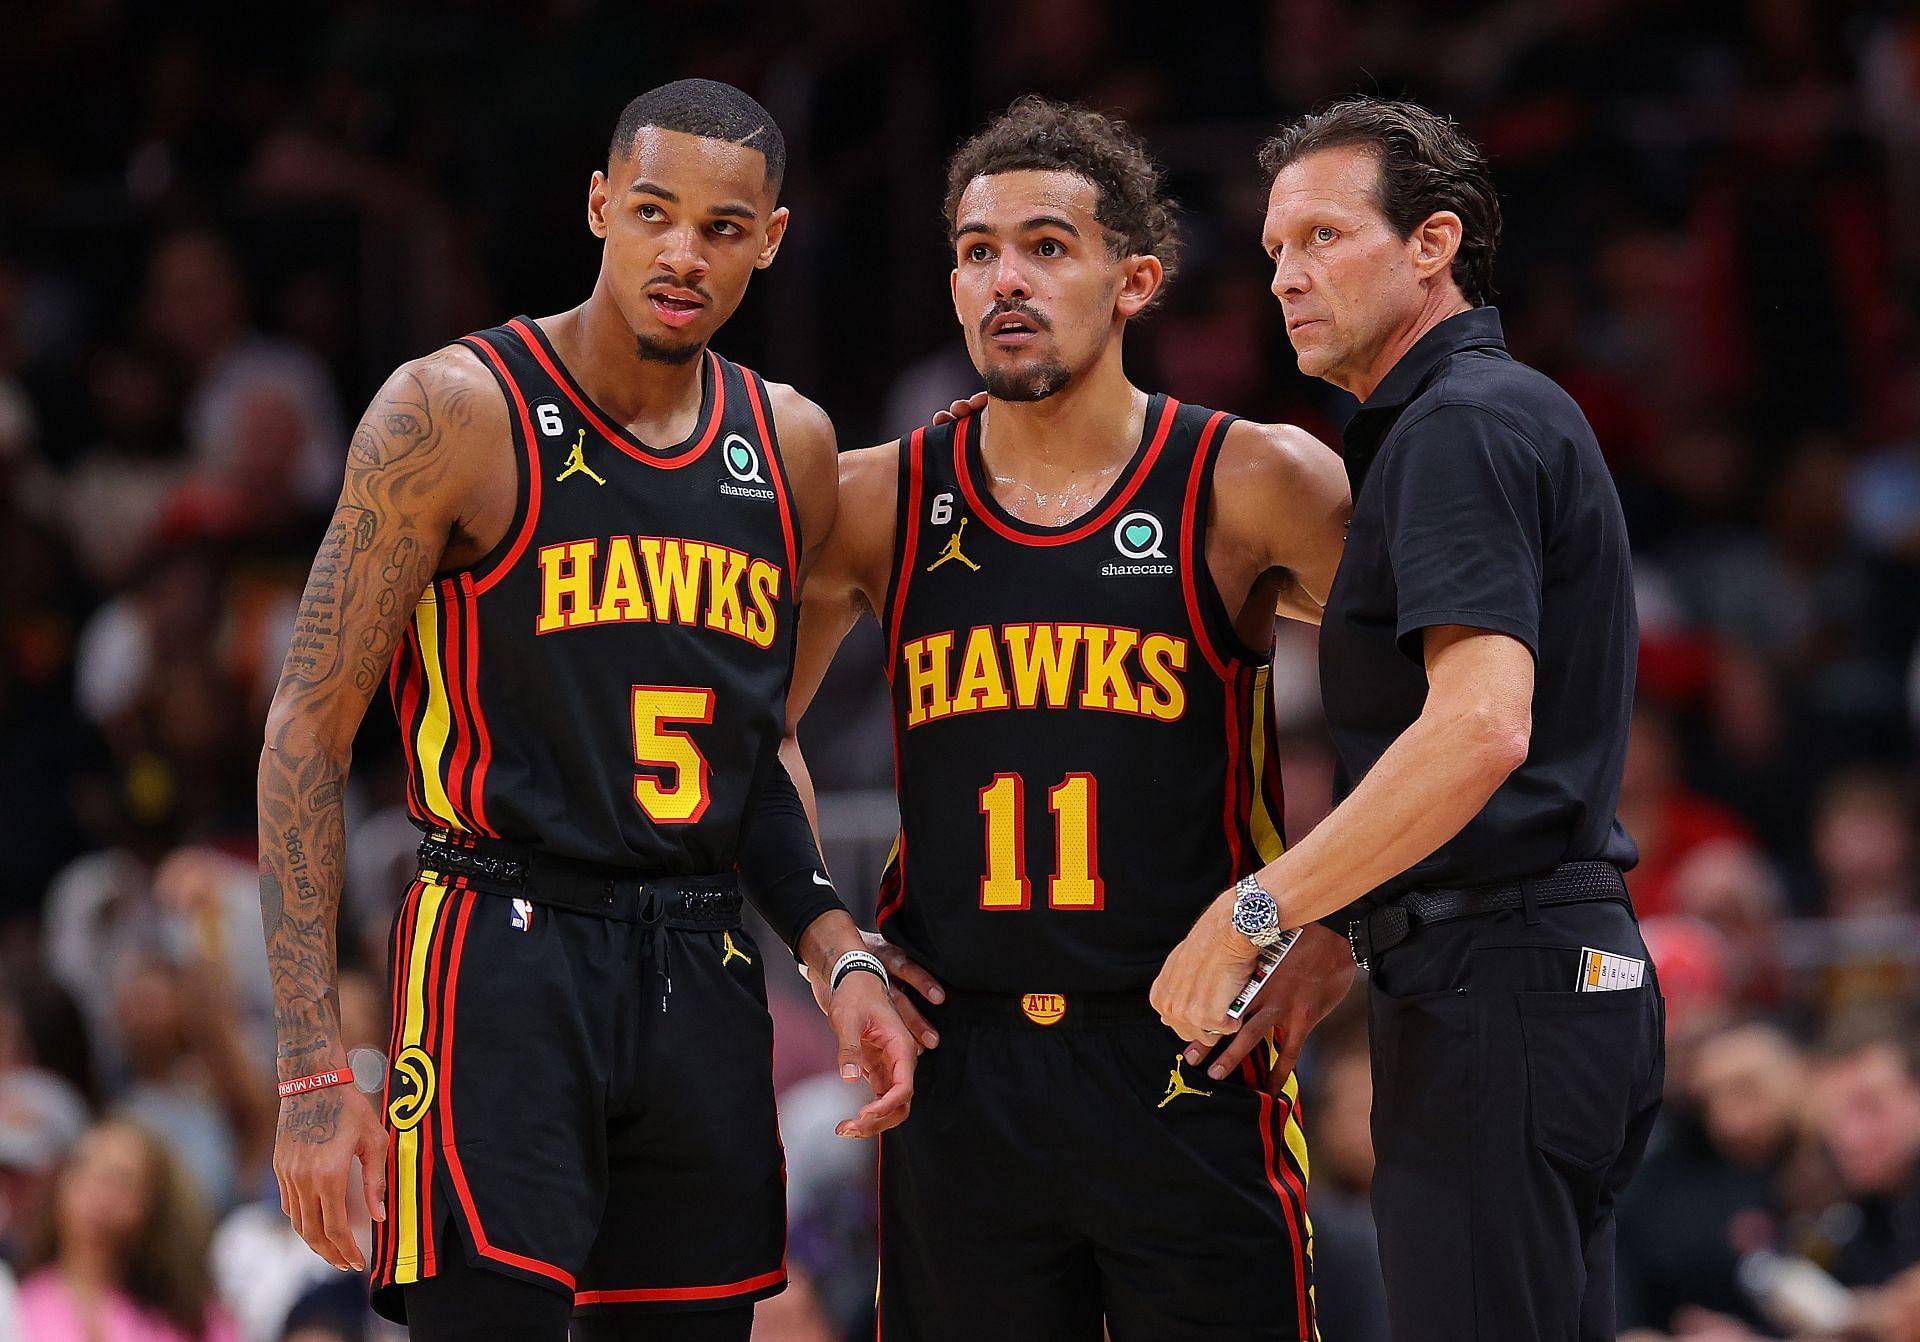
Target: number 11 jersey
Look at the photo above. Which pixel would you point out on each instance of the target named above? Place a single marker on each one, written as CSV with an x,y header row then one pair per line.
x,y
1083,745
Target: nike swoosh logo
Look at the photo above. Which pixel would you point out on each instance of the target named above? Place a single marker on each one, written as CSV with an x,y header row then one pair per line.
x,y
818,879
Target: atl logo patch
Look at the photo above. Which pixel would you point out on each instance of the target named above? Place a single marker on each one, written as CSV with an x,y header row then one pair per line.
x,y
414,1068
1044,1008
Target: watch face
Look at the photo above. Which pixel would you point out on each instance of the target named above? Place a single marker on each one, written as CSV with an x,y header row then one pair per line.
x,y
1255,912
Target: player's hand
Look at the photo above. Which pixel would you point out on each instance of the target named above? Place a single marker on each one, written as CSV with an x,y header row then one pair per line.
x,y
876,1047
902,970
973,405
1202,975
320,1134
1309,983
914,975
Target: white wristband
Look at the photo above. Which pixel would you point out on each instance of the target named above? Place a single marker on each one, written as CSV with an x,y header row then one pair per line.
x,y
857,962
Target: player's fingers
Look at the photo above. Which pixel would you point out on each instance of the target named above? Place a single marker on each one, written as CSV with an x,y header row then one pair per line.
x,y
912,974
1288,1040
916,1023
892,1081
337,1226
1252,1033
373,1173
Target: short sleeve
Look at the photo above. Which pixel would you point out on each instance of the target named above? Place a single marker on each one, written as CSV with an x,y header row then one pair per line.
x,y
1467,503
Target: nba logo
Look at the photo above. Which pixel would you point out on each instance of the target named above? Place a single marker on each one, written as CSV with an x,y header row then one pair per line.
x,y
522,915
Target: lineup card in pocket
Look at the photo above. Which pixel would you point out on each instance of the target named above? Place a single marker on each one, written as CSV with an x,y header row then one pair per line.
x,y
1603,971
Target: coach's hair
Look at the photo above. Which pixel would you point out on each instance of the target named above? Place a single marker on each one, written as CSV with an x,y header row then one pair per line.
x,y
710,109
1035,134
1426,165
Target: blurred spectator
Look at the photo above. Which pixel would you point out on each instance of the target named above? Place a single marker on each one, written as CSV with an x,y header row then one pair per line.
x,y
1864,850
1666,817
196,305
41,1117
1867,1107
1730,886
1708,1195
1690,960
120,1255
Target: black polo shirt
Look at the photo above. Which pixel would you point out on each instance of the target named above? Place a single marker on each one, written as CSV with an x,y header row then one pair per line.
x,y
1480,498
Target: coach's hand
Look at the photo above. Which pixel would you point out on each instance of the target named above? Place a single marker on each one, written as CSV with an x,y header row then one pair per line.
x,y
875,1046
320,1134
973,405
1202,975
1309,983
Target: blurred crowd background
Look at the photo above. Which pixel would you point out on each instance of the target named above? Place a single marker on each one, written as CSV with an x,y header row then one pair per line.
x,y
220,226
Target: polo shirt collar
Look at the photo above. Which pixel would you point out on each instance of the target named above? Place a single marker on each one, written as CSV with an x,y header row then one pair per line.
x,y
1476,328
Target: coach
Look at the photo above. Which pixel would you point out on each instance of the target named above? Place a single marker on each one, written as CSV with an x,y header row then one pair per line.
x,y
1477,658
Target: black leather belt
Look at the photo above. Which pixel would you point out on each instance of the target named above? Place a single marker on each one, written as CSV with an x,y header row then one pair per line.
x,y
690,903
1573,883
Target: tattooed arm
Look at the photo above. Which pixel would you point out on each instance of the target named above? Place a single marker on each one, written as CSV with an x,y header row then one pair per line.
x,y
420,495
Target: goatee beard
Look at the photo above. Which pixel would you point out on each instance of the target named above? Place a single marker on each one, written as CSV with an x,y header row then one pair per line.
x,y
659,351
1028,384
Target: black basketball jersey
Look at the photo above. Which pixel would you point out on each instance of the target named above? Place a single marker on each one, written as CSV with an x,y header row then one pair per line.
x,y
610,682
1083,744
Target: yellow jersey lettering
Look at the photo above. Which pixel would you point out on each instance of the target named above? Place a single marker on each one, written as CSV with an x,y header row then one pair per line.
x,y
673,574
927,662
763,588
1040,652
1163,696
566,585
982,684
621,597
1108,685
725,569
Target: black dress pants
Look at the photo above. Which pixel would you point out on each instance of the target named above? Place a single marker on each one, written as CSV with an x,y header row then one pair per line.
x,y
1509,1111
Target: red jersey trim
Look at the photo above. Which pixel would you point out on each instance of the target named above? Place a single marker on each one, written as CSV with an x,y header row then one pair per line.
x,y
619,437
1190,518
485,581
789,525
1086,526
909,544
644,1294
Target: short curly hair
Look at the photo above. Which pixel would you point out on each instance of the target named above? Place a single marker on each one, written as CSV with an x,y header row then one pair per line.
x,y
1036,134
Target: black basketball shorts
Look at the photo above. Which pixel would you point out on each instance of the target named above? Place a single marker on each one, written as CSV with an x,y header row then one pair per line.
x,y
581,1102
1063,1168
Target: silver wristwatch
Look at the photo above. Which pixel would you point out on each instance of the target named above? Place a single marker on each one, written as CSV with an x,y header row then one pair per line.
x,y
1255,914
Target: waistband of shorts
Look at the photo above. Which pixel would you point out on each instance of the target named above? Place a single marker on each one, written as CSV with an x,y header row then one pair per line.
x,y
1045,1011
709,903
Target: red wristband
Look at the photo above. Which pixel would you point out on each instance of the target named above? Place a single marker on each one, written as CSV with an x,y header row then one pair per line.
x,y
300,1085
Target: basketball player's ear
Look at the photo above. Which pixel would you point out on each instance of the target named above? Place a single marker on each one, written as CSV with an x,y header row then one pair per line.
x,y
599,192
953,288
776,230
1140,278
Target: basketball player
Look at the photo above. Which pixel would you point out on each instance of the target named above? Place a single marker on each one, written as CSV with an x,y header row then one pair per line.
x,y
572,547
1077,589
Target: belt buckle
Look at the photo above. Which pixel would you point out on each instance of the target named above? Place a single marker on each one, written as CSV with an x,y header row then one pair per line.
x,y
1356,935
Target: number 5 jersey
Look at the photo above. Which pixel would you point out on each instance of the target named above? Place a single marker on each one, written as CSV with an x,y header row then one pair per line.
x,y
610,682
